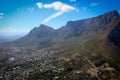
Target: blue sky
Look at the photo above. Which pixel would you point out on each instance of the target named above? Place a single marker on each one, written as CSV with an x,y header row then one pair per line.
x,y
20,16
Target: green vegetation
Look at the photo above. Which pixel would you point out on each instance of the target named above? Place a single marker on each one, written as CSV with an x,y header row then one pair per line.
x,y
92,46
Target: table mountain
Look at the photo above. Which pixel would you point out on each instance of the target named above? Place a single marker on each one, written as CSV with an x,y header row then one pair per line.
x,y
90,47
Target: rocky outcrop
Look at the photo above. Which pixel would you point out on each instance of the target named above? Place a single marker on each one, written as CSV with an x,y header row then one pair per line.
x,y
103,72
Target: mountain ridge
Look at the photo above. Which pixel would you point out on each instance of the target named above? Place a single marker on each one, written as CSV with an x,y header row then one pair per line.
x,y
89,48
79,28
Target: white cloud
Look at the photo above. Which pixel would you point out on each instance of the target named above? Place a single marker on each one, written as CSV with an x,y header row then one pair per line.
x,y
72,0
31,9
52,16
94,4
58,6
40,5
1,15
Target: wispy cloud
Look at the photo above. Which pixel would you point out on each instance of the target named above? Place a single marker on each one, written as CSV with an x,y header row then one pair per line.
x,y
95,4
52,16
58,6
1,15
72,0
39,4
31,9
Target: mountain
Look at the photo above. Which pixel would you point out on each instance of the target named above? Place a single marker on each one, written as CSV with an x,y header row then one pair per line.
x,y
42,31
89,48
99,34
40,36
88,28
93,25
100,29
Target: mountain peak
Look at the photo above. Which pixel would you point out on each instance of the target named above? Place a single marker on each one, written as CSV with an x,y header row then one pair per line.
x,y
41,31
111,13
42,26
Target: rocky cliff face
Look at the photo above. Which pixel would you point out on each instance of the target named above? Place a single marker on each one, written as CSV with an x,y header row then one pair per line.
x,y
42,31
102,23
114,35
